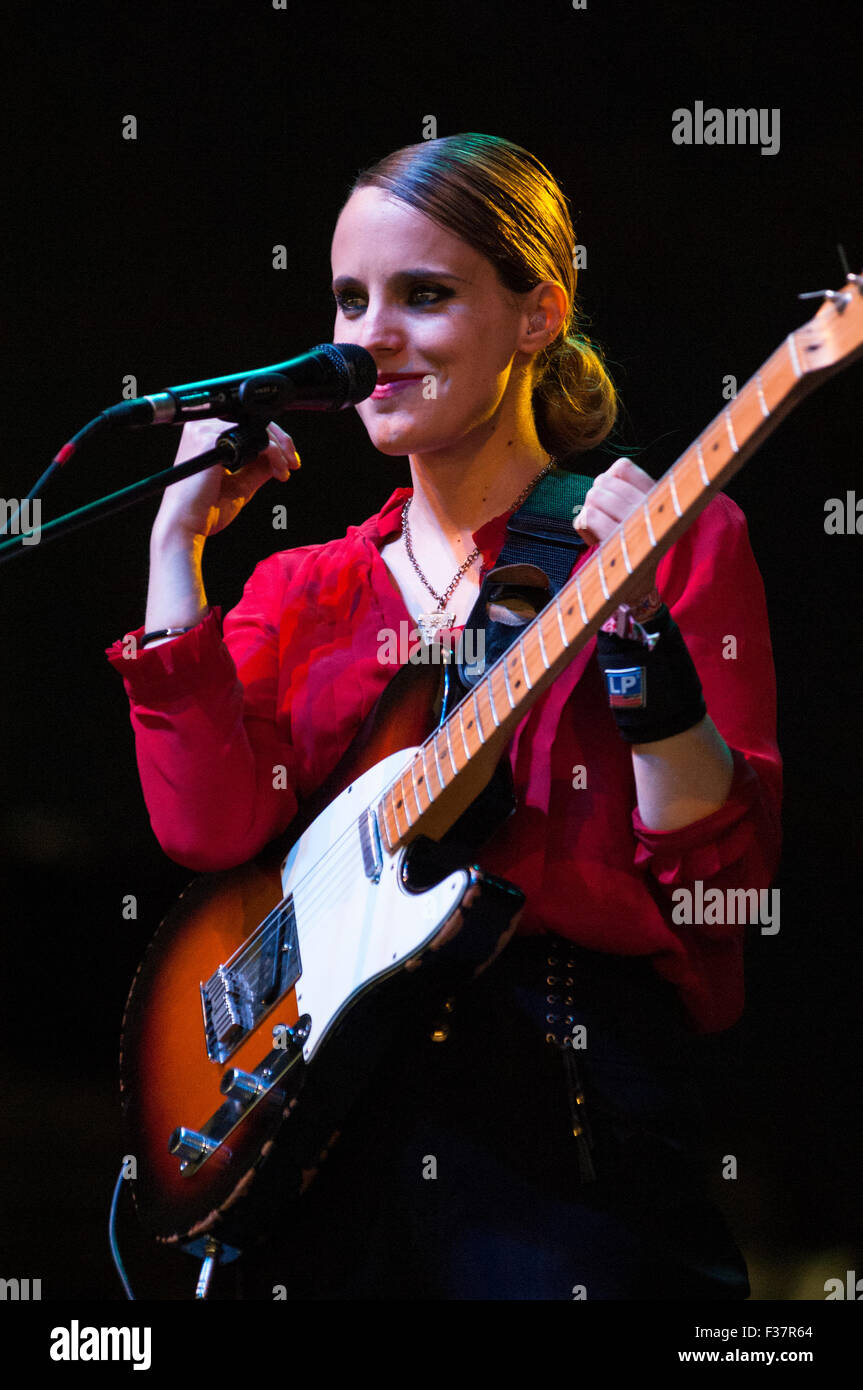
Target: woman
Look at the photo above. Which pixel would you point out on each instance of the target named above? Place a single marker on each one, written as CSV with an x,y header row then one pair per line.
x,y
452,266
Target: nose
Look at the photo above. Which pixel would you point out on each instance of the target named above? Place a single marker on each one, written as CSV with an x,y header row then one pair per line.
x,y
378,329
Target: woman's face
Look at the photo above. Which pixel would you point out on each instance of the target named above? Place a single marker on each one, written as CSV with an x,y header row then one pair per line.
x,y
422,302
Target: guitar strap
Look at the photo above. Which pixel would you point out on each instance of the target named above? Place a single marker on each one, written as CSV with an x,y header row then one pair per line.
x,y
538,554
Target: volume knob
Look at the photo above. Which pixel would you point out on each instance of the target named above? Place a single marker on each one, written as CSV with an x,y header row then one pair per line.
x,y
188,1143
241,1085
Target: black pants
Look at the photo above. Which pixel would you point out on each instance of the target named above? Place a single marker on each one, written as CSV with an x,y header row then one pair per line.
x,y
457,1178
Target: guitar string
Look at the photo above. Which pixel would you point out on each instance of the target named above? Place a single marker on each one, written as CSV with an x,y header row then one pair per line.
x,y
314,890
323,878
249,953
418,754
311,873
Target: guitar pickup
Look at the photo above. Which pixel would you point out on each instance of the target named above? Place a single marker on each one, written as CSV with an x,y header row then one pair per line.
x,y
370,843
238,994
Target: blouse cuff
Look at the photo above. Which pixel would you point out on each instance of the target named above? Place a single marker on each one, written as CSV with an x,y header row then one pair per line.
x,y
176,669
705,846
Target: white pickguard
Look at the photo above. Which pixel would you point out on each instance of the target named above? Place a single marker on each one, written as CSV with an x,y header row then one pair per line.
x,y
349,928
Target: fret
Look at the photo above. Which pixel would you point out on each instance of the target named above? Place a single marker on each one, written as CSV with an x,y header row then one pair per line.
x,y
402,786
545,661
625,551
506,683
387,817
705,479
396,811
584,617
674,497
477,719
426,772
452,761
646,510
765,409
527,680
463,735
605,592
492,704
727,413
792,347
437,762
415,789
563,636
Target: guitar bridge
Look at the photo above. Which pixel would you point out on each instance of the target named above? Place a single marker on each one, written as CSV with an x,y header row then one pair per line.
x,y
239,993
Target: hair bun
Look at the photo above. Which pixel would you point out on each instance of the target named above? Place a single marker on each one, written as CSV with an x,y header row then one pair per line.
x,y
574,399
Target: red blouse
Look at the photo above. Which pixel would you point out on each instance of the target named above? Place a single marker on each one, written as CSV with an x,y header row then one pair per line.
x,y
290,674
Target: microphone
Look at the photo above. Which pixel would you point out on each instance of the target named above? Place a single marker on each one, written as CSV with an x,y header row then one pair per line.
x,y
331,376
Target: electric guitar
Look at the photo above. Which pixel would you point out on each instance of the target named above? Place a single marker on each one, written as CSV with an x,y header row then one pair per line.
x,y
271,991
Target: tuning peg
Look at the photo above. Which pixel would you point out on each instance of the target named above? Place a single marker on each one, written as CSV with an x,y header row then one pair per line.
x,y
841,298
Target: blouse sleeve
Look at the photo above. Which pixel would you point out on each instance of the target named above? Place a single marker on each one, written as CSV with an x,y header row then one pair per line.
x,y
215,764
711,583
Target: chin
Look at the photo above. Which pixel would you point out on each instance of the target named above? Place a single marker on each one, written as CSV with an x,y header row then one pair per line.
x,y
390,436
395,440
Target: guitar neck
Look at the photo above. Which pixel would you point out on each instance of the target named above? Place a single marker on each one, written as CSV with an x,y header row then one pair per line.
x,y
455,762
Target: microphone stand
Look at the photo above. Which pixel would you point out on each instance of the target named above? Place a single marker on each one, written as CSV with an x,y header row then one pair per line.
x,y
232,449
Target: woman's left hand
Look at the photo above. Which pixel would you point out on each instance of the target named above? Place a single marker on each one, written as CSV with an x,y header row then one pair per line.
x,y
610,499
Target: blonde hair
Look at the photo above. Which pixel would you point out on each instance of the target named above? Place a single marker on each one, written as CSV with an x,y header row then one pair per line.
x,y
502,201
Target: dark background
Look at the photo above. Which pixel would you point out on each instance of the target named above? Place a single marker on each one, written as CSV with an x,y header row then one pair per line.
x,y
154,257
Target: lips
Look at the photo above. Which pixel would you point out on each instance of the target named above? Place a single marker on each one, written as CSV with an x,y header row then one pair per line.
x,y
390,383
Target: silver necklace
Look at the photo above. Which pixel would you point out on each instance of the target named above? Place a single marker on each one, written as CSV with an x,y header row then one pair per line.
x,y
430,623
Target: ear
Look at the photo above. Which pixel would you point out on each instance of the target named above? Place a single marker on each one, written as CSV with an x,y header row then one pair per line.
x,y
544,313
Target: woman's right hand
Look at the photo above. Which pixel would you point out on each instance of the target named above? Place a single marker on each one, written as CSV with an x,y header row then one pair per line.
x,y
197,507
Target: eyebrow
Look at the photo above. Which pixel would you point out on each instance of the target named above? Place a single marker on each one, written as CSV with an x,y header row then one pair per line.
x,y
417,273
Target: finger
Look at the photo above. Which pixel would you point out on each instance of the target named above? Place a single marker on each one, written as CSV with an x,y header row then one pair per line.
x,y
630,472
597,518
593,525
284,443
615,497
282,452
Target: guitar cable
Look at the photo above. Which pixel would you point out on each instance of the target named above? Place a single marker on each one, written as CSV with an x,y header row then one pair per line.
x,y
112,1236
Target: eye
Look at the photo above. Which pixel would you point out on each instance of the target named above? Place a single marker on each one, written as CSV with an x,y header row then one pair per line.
x,y
343,300
437,291
418,296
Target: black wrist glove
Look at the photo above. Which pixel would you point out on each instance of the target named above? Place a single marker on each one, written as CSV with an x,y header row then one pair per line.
x,y
652,694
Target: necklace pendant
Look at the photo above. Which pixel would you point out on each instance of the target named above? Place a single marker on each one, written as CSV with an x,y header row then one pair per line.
x,y
431,623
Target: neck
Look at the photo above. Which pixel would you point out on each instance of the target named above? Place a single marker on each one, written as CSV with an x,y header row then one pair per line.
x,y
459,489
